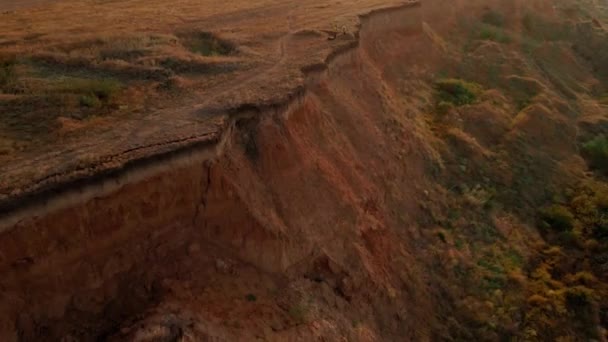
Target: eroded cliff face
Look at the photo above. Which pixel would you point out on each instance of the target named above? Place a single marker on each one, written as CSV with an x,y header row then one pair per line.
x,y
298,225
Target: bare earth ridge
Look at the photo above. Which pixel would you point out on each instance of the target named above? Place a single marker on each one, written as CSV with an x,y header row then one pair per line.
x,y
284,44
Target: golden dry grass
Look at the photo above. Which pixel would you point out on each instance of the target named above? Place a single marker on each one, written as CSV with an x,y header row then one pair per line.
x,y
184,55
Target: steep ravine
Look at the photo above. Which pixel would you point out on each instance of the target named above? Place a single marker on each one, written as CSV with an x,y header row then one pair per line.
x,y
295,225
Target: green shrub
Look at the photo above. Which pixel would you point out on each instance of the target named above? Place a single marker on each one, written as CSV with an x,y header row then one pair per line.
x,y
558,217
456,92
596,152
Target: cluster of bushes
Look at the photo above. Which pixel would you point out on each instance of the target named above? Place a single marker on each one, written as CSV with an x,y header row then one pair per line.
x,y
584,215
566,285
454,92
596,152
554,302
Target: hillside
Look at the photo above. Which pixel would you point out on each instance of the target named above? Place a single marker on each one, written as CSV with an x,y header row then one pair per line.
x,y
273,170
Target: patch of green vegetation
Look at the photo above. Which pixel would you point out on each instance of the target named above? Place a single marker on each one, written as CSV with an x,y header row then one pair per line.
x,y
87,93
494,34
558,217
596,152
251,297
456,92
32,117
586,210
206,44
103,89
492,283
604,100
491,266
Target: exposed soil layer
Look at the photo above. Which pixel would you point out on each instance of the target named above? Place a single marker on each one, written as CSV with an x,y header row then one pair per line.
x,y
254,235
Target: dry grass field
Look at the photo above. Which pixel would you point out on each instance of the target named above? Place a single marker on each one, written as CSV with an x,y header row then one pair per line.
x,y
83,80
